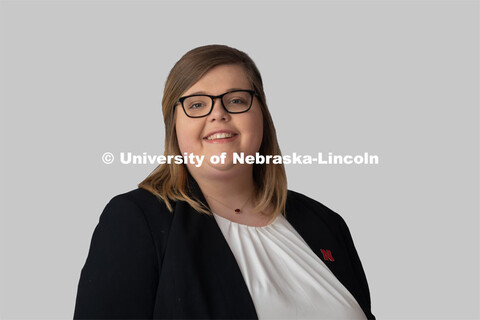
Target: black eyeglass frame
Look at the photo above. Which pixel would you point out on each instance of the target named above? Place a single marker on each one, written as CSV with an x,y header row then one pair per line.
x,y
252,93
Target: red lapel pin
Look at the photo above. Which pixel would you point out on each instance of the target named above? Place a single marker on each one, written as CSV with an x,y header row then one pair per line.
x,y
327,255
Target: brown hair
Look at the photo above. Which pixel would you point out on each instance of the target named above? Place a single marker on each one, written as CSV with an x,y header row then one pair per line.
x,y
169,182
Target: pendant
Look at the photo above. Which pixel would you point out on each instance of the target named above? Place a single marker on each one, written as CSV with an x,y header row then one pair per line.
x,y
237,210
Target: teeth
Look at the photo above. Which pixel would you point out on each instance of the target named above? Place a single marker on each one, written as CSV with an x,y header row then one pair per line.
x,y
220,136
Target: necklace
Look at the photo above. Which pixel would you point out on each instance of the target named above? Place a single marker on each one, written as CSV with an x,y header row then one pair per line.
x,y
236,210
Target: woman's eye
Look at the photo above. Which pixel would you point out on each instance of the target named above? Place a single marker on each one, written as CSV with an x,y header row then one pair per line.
x,y
195,105
236,101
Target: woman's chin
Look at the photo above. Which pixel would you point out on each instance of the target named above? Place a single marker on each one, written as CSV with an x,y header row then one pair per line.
x,y
218,171
221,167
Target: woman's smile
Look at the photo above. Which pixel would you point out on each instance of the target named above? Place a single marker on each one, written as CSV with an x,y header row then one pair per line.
x,y
220,136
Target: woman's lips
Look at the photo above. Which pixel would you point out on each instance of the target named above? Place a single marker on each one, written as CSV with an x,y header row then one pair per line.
x,y
221,140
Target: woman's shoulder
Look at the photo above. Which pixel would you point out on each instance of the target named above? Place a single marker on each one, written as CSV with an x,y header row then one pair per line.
x,y
297,201
142,198
135,203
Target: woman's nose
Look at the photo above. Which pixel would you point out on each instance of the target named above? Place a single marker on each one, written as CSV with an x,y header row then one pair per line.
x,y
218,111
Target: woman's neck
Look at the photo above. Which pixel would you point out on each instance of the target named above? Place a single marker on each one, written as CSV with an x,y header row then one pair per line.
x,y
225,193
234,191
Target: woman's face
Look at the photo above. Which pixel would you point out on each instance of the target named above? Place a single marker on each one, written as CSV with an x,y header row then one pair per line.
x,y
195,134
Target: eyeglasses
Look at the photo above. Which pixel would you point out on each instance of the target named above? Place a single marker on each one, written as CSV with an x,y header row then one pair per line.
x,y
201,105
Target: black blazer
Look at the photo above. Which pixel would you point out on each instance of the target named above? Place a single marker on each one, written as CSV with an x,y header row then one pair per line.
x,y
146,262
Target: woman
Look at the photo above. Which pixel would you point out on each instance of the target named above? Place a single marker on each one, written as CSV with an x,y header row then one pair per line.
x,y
220,240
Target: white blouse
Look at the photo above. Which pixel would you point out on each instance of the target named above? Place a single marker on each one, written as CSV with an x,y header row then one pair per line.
x,y
286,279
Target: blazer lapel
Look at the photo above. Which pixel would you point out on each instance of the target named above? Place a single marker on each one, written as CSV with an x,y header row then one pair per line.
x,y
316,232
200,273
322,234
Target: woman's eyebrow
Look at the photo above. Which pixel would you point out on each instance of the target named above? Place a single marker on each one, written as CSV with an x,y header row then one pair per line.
x,y
203,92
197,92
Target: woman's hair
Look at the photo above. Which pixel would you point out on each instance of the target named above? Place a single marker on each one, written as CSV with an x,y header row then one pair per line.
x,y
169,182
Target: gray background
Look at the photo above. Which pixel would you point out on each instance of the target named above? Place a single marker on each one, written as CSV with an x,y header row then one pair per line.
x,y
397,79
